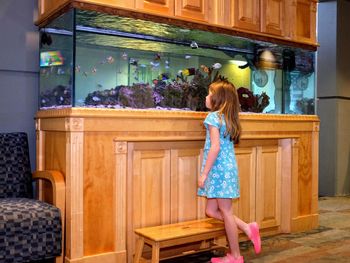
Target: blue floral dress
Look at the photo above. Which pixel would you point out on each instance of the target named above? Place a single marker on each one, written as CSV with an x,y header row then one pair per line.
x,y
222,181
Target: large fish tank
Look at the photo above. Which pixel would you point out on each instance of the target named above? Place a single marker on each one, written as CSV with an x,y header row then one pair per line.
x,y
95,60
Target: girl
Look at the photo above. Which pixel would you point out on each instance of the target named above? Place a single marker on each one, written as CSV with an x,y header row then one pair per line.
x,y
219,176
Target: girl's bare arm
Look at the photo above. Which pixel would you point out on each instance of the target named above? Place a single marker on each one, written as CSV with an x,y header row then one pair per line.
x,y
212,154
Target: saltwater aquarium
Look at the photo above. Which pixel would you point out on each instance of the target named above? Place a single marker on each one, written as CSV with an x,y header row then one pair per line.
x,y
91,59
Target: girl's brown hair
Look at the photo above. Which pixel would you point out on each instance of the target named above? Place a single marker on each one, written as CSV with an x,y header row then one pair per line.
x,y
224,99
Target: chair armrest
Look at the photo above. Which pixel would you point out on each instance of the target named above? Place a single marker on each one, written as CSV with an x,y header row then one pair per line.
x,y
59,198
58,186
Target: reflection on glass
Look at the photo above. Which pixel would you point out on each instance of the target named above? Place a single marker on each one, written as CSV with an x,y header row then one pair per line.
x,y
108,61
56,60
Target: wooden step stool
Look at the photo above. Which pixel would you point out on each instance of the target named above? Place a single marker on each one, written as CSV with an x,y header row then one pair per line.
x,y
176,234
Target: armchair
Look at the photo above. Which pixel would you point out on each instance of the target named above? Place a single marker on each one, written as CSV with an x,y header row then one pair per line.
x,y
30,229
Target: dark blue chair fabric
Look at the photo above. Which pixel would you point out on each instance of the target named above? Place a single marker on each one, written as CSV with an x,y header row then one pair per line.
x,y
30,229
15,174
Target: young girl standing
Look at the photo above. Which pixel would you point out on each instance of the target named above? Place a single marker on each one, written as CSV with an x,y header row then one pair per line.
x,y
219,180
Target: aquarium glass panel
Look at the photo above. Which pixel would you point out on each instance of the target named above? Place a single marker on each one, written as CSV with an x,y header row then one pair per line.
x,y
56,60
130,63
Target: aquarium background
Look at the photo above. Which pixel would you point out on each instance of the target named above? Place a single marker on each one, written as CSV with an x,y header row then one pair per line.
x,y
116,62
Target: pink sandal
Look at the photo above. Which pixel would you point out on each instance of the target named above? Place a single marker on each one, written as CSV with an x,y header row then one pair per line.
x,y
227,259
255,236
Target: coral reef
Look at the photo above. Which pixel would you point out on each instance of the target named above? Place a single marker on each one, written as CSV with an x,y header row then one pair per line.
x,y
58,96
184,92
252,103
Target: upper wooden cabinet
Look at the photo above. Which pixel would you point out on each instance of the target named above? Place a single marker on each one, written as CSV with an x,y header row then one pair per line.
x,y
273,14
48,7
163,7
293,20
302,20
246,14
193,9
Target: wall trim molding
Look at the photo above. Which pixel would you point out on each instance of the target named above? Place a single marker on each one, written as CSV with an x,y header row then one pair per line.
x,y
19,71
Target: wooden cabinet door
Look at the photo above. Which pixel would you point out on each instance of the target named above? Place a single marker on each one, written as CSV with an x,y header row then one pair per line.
x,y
193,9
185,169
161,7
244,207
150,187
273,13
246,14
220,12
164,181
148,181
302,20
268,186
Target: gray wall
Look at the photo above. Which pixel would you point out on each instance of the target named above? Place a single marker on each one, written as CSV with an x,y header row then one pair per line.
x,y
19,80
333,91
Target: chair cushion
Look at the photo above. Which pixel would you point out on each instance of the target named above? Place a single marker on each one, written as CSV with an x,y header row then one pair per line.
x,y
15,171
29,230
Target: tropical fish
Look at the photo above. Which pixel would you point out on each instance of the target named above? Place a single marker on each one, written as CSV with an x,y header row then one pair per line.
x,y
217,66
77,68
205,68
94,70
163,76
110,59
134,61
187,57
60,71
194,45
124,56
187,71
154,64
157,57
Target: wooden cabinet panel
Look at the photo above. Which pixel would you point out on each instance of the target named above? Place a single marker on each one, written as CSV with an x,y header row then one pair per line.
x,y
162,7
151,187
244,207
273,16
268,186
193,9
302,22
185,169
164,178
246,14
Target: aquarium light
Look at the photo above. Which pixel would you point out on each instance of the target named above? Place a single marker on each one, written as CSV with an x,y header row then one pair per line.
x,y
57,31
239,60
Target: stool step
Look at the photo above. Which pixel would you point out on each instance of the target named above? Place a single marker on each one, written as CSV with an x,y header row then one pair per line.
x,y
177,234
183,229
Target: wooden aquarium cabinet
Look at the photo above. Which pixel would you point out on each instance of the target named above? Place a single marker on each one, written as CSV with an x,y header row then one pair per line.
x,y
130,169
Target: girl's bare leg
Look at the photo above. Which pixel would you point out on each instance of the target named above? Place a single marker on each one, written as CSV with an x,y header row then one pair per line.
x,y
212,210
225,206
